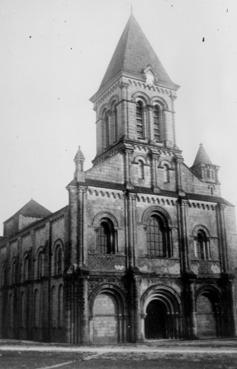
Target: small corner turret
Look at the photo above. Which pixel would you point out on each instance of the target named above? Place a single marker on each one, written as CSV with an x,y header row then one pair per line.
x,y
203,167
79,160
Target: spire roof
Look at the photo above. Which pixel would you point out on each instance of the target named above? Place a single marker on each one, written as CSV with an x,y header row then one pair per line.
x,y
201,157
133,54
79,155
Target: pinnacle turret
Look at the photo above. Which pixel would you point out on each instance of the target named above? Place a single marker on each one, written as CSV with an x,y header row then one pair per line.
x,y
79,164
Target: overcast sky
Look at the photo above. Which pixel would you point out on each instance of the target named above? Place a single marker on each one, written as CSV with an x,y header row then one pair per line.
x,y
53,56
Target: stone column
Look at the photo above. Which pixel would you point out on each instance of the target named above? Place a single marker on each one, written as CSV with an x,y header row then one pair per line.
x,y
128,151
222,237
154,165
83,310
150,129
189,306
179,182
228,323
73,224
132,227
82,196
183,237
68,309
193,325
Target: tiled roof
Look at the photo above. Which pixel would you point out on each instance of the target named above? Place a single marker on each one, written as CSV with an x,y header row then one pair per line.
x,y
32,209
133,54
201,157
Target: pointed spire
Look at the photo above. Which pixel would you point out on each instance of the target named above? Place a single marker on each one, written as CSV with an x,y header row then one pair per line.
x,y
201,157
133,55
79,157
79,164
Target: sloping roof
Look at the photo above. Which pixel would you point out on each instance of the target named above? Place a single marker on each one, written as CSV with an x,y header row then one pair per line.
x,y
32,209
201,157
133,54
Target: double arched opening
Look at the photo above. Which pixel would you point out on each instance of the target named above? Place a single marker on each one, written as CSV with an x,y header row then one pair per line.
x,y
107,316
162,315
149,119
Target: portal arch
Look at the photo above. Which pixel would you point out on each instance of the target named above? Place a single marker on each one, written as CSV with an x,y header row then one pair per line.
x,y
161,308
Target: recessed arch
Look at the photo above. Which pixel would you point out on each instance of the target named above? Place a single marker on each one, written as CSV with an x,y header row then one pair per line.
x,y
160,101
155,209
162,311
103,109
107,319
141,158
113,101
200,227
141,96
209,312
105,214
57,242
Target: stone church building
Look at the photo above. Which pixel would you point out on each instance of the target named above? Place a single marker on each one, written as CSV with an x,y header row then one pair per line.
x,y
145,248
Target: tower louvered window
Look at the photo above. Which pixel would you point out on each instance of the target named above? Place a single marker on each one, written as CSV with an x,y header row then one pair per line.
x,y
157,245
140,120
156,122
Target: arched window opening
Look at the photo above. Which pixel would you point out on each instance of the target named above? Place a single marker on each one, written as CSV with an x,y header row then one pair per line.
x,y
58,261
106,237
202,246
157,122
140,120
166,173
141,174
40,265
157,240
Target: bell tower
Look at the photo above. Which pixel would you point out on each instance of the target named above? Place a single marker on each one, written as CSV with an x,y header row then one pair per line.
x,y
135,101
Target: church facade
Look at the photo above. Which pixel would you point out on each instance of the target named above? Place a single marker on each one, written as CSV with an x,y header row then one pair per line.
x,y
145,248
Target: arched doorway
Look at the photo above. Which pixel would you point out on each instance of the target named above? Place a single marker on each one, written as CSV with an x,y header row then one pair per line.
x,y
162,317
156,324
206,316
106,327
